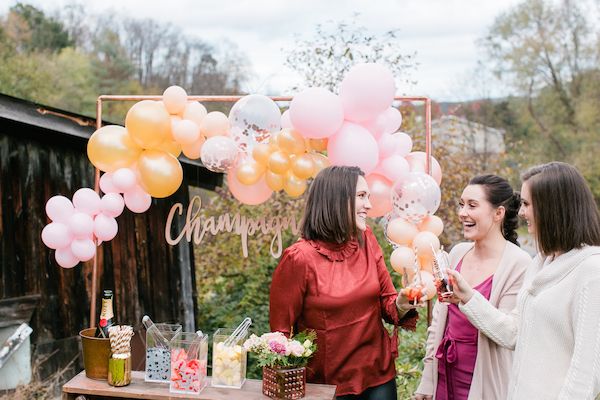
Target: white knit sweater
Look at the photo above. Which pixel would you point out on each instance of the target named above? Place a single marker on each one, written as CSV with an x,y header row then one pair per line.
x,y
555,328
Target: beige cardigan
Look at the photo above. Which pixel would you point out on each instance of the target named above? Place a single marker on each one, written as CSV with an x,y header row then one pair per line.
x,y
493,362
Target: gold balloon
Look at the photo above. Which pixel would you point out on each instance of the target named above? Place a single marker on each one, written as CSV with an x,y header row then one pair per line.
x,y
172,147
148,123
111,148
320,161
279,162
274,181
293,185
261,153
160,173
291,142
303,166
318,144
249,172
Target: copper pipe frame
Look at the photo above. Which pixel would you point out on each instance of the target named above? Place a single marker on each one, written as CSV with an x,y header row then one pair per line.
x,y
428,149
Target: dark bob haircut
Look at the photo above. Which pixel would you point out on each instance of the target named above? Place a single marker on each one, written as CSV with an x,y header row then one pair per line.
x,y
329,212
564,210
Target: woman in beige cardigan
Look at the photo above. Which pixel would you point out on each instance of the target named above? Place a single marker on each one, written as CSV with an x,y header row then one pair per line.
x,y
488,212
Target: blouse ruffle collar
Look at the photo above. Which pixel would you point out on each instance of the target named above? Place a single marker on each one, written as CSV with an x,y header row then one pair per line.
x,y
335,252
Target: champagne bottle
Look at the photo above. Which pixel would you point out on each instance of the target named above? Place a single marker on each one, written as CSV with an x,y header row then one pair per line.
x,y
107,316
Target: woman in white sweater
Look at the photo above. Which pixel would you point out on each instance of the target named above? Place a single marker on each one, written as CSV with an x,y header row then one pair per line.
x,y
460,362
555,327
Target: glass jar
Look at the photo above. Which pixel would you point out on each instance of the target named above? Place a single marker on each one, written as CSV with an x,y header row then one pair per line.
x,y
158,359
229,360
119,369
189,355
284,383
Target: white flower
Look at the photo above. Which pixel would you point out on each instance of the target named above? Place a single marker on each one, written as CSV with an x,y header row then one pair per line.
x,y
307,343
296,348
307,353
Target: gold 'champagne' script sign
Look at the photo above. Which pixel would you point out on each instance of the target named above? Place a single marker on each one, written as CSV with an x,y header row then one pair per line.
x,y
195,228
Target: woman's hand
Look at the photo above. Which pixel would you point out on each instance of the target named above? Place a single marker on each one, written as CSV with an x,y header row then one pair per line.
x,y
419,396
407,299
462,290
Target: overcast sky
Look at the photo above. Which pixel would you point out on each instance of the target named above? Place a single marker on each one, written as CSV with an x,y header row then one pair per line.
x,y
441,32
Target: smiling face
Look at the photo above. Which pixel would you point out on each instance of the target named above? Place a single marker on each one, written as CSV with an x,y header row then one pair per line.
x,y
526,210
477,214
362,203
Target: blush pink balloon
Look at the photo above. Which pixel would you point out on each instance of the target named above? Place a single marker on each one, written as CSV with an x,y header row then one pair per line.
x,y
137,199
81,225
416,161
286,123
105,227
56,235
386,122
353,145
249,194
87,200
83,249
186,132
65,257
59,209
404,144
366,91
124,179
381,196
112,204
316,113
106,184
175,99
195,111
387,144
393,168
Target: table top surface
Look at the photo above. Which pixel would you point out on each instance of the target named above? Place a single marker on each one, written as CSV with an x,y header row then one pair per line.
x,y
140,389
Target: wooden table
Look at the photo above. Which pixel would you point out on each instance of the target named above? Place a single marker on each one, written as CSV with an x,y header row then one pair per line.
x,y
139,389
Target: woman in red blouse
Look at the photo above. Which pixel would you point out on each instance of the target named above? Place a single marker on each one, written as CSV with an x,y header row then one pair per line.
x,y
334,281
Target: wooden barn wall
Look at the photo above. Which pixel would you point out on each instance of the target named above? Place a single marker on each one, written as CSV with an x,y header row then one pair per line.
x,y
147,275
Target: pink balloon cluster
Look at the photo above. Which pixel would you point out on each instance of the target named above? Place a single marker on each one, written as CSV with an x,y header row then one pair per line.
x,y
125,181
77,226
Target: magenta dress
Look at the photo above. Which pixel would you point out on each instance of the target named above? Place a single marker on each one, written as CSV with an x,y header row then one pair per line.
x,y
458,350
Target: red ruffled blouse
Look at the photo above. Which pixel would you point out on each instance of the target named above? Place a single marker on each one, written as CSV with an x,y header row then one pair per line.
x,y
342,292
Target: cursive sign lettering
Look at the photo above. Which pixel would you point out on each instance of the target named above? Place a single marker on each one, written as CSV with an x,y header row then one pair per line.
x,y
195,228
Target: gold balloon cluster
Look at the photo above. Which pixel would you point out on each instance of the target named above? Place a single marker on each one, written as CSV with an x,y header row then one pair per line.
x,y
287,161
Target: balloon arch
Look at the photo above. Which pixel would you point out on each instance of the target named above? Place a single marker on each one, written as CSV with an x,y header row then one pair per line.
x,y
261,151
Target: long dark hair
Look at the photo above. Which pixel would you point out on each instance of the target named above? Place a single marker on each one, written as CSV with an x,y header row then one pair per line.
x,y
499,193
329,212
565,213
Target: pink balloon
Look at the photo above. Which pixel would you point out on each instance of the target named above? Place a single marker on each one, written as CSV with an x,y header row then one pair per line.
x,y
175,99
286,123
416,161
105,227
353,145
65,257
83,249
393,168
381,196
416,196
56,235
59,209
404,143
137,200
366,91
249,194
87,200
124,179
81,225
386,122
316,113
112,204
106,183
387,144
186,131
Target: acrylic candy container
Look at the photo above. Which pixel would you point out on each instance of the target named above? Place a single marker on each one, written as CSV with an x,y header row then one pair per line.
x,y
229,360
189,354
158,359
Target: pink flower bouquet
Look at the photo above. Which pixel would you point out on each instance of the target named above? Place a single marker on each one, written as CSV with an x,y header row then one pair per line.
x,y
275,350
